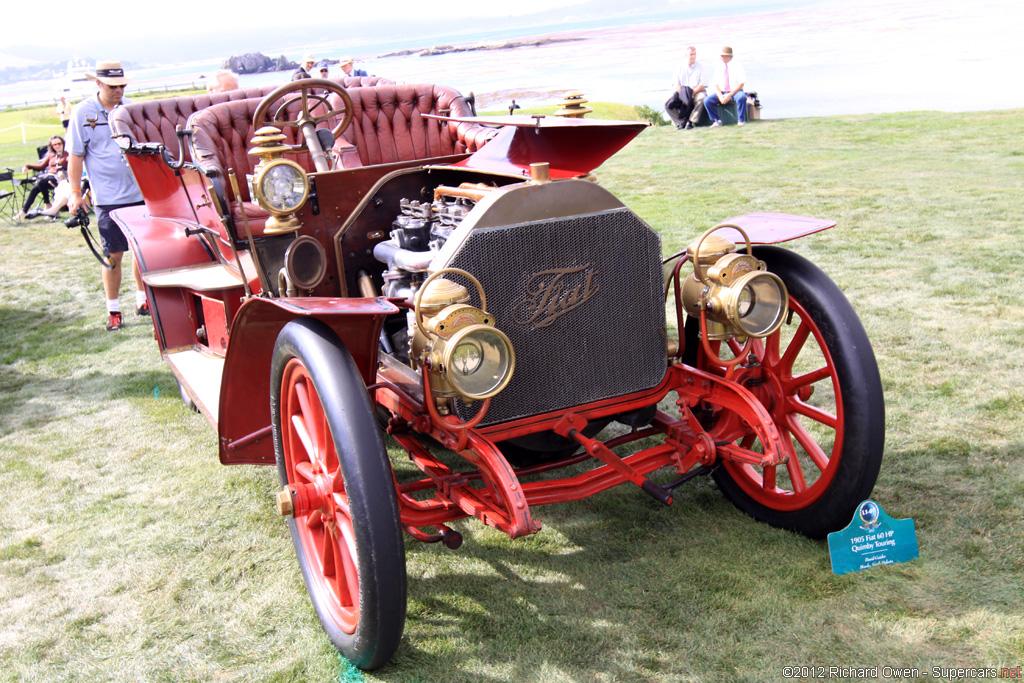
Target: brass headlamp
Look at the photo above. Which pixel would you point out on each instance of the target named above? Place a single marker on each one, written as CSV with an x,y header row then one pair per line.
x,y
279,185
467,356
735,292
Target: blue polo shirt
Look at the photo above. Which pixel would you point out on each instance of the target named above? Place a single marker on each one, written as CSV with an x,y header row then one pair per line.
x,y
110,179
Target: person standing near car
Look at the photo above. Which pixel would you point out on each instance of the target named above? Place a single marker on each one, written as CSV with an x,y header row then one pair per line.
x,y
64,111
110,181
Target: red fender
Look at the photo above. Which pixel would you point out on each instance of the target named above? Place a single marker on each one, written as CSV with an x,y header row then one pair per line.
x,y
244,412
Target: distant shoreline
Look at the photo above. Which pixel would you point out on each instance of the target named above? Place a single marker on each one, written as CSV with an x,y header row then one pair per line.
x,y
473,47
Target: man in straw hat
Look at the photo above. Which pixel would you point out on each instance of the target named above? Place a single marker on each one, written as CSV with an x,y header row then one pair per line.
x,y
727,86
348,68
110,180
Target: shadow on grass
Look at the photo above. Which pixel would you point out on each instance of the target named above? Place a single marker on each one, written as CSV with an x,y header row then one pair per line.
x,y
589,601
43,355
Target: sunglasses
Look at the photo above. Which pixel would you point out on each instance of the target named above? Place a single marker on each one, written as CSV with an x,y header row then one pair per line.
x,y
114,87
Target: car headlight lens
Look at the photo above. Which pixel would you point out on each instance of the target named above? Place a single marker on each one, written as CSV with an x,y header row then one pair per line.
x,y
755,304
478,361
282,186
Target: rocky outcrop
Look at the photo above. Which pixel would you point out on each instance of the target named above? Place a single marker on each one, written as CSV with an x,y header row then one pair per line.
x,y
257,63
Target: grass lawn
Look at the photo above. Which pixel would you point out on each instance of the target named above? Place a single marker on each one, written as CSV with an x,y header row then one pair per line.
x,y
128,553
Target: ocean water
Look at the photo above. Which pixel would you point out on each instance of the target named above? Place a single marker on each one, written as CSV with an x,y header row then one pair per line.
x,y
803,59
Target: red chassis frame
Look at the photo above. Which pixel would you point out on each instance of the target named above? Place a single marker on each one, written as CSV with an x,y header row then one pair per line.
x,y
504,502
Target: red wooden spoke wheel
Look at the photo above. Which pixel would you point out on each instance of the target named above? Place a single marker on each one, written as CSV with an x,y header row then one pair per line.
x,y
346,528
325,531
818,378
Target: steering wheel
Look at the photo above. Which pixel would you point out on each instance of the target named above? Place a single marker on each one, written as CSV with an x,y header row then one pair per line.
x,y
306,120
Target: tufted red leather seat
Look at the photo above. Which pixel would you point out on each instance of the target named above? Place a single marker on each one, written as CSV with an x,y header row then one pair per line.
x,y
155,120
388,125
221,139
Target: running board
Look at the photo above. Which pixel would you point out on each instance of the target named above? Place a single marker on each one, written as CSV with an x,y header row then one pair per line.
x,y
200,376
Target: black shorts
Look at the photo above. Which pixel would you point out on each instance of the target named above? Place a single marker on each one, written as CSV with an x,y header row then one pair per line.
x,y
111,237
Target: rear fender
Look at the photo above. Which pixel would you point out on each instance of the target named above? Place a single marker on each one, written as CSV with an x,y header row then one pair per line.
x,y
244,412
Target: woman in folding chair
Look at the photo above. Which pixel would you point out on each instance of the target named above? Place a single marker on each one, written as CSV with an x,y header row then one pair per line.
x,y
56,159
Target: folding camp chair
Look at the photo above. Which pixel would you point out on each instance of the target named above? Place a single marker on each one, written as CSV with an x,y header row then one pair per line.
x,y
9,204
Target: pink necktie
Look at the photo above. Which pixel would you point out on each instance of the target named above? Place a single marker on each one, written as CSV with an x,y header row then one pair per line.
x,y
726,77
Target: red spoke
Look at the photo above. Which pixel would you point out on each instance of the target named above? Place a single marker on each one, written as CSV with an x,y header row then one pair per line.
x,y
796,345
771,349
346,557
305,470
768,479
816,414
735,346
299,426
758,349
808,378
341,503
814,451
796,474
307,415
327,552
313,521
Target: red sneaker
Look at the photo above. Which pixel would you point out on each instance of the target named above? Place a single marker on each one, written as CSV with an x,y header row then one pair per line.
x,y
114,322
143,309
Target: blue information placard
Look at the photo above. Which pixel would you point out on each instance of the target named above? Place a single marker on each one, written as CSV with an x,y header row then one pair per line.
x,y
871,539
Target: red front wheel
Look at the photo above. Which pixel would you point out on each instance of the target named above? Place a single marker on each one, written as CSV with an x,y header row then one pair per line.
x,y
346,528
818,378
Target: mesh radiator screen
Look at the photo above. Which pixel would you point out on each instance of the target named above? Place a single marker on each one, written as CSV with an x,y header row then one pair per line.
x,y
581,300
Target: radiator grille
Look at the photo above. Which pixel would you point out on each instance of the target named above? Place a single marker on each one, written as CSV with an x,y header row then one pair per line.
x,y
581,300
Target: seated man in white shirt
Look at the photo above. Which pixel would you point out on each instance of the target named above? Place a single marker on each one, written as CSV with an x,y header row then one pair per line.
x,y
727,86
686,104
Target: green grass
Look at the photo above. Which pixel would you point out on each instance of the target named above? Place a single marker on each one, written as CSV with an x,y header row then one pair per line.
x,y
128,553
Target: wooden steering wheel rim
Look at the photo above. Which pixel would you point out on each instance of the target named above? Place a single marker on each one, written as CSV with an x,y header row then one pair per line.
x,y
305,84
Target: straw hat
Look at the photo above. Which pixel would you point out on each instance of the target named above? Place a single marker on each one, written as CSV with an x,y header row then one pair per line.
x,y
308,59
110,73
726,51
345,60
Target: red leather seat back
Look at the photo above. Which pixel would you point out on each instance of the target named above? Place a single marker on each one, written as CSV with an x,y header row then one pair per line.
x,y
222,137
388,124
155,120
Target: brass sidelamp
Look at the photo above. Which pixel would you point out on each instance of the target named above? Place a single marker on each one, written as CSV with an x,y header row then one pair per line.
x,y
735,293
466,355
279,185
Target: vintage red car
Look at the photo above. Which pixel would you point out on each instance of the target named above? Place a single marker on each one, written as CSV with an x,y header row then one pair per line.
x,y
333,262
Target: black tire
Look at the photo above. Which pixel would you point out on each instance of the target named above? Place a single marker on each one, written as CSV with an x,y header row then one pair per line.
x,y
849,453
363,612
